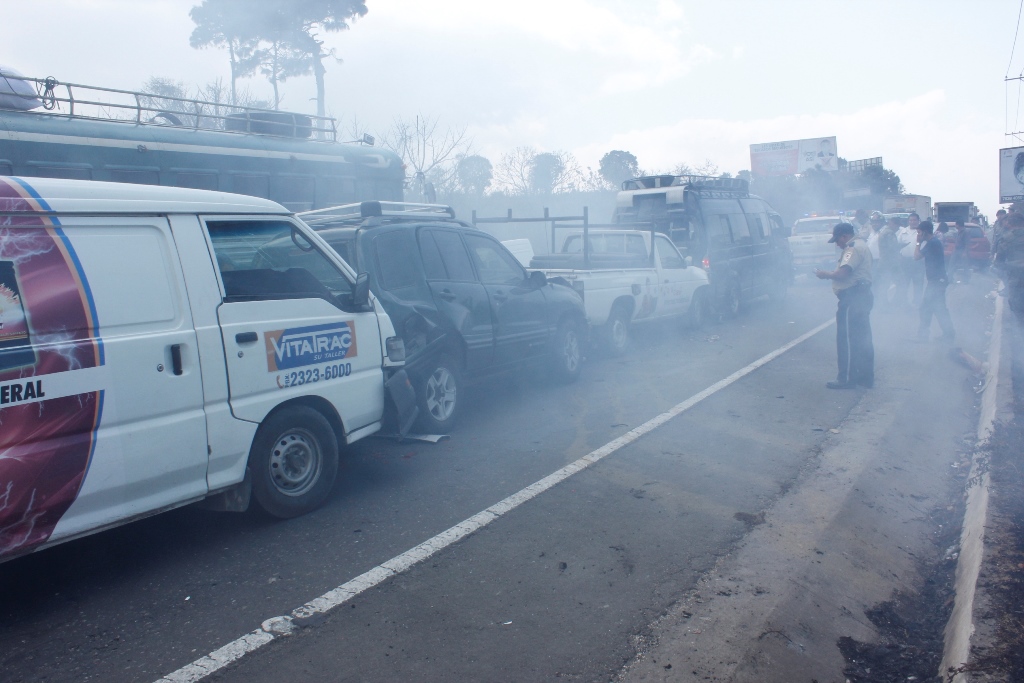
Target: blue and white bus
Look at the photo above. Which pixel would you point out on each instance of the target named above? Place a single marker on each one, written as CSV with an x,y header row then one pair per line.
x,y
63,130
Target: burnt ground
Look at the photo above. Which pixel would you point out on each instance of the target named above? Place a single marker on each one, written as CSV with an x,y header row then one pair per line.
x,y
911,626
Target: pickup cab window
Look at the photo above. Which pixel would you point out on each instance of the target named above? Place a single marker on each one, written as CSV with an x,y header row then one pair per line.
x,y
453,253
261,260
668,254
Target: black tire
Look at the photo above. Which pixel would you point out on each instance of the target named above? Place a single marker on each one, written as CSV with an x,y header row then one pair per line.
x,y
731,301
567,352
616,331
293,462
437,393
697,316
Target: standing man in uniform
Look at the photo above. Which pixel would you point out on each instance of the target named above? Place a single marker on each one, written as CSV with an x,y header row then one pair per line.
x,y
851,282
933,303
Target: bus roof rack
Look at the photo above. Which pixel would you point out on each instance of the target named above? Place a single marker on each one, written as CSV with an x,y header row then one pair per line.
x,y
357,213
77,101
696,182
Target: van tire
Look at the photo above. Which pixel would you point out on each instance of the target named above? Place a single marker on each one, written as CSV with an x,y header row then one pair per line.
x,y
616,331
567,352
438,395
293,461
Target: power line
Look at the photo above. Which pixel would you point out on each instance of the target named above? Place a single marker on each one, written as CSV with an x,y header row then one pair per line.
x,y
1015,32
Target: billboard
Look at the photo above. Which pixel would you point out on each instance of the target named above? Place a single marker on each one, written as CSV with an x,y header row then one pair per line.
x,y
793,156
1011,175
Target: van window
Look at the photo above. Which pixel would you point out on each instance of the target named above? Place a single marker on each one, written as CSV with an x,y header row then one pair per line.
x,y
756,226
295,192
252,185
138,176
261,260
453,253
495,265
741,233
67,172
719,231
396,260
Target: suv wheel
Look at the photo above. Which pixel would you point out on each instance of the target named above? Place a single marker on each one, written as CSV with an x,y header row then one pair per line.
x,y
697,316
731,301
438,395
567,353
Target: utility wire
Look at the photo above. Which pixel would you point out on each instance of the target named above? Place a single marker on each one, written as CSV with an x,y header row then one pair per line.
x,y
1015,32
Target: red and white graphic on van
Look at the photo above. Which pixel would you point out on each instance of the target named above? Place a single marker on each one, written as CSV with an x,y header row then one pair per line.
x,y
51,327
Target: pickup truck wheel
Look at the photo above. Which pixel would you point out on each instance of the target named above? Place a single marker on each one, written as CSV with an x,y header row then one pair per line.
x,y
616,332
567,352
697,316
438,395
293,461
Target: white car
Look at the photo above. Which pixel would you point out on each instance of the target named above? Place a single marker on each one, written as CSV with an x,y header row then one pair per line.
x,y
809,242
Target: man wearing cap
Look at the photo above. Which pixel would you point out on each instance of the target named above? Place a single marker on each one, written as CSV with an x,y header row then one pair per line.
x,y
851,281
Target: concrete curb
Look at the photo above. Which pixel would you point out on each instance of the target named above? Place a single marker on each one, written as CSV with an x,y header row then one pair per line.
x,y
960,627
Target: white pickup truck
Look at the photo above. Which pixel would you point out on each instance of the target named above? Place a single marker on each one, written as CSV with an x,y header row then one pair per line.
x,y
623,282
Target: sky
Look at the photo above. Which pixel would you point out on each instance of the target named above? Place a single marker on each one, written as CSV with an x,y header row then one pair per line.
x,y
918,83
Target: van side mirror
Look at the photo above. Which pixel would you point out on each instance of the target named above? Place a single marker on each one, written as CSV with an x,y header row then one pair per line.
x,y
361,291
688,261
538,279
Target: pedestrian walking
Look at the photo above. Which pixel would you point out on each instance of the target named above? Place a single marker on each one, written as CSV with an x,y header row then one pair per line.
x,y
851,282
860,224
933,303
886,273
1009,262
960,261
911,271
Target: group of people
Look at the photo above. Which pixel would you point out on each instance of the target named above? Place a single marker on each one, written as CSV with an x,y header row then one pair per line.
x,y
880,256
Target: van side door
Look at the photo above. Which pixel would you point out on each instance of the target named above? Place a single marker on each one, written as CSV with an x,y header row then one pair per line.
x,y
677,281
761,271
288,324
146,446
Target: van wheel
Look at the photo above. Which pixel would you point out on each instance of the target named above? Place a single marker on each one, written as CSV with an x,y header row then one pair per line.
x,y
567,352
438,396
697,316
616,332
294,461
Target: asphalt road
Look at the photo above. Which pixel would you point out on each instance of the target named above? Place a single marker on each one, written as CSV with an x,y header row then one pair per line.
x,y
557,588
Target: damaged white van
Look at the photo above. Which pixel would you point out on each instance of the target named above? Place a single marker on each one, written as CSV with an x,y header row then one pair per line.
x,y
152,354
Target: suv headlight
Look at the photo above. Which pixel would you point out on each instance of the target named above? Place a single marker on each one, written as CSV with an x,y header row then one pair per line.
x,y
396,349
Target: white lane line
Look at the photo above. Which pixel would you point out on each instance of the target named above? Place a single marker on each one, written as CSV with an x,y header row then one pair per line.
x,y
279,626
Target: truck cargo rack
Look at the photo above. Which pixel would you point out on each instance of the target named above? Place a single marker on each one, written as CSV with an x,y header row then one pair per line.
x,y
577,222
78,101
355,214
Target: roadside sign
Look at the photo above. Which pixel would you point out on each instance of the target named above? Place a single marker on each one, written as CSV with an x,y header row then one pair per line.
x,y
1011,175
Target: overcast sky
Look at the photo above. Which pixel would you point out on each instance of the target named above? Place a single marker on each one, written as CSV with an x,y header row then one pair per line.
x,y
919,83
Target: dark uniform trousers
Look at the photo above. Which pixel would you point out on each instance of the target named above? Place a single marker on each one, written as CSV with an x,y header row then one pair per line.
x,y
855,349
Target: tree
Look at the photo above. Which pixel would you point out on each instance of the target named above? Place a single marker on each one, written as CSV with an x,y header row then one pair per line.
x,y
427,150
311,18
545,171
617,166
474,174
280,37
513,170
229,24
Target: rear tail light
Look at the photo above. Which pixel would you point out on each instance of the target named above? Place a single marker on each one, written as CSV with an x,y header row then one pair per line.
x,y
705,263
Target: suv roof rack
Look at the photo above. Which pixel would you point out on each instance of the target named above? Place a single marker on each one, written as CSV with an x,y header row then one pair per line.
x,y
696,182
356,213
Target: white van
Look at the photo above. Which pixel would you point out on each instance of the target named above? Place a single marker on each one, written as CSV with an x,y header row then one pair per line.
x,y
153,355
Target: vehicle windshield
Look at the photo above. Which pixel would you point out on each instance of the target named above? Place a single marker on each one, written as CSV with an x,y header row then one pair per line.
x,y
815,225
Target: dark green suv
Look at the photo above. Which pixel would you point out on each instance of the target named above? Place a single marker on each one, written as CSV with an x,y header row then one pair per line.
x,y
460,300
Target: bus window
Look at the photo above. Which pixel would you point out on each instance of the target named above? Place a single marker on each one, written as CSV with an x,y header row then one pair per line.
x,y
6,169
335,190
294,192
198,180
142,176
251,184
68,172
